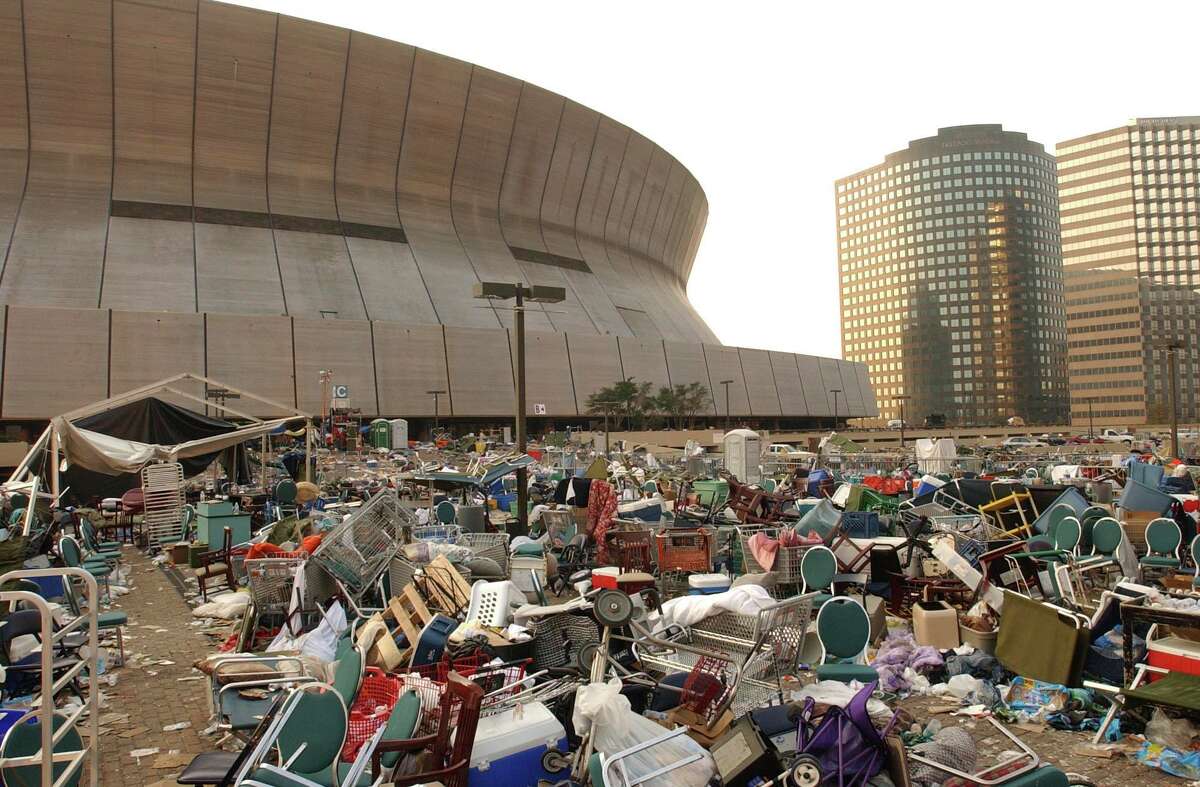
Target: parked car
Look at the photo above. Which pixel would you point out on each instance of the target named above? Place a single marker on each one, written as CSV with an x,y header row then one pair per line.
x,y
1116,436
1082,439
1021,441
1054,439
935,421
896,423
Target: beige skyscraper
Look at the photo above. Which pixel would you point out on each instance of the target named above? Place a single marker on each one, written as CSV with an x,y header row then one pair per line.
x,y
951,279
1130,221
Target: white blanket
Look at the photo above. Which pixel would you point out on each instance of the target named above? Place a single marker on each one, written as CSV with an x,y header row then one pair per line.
x,y
689,610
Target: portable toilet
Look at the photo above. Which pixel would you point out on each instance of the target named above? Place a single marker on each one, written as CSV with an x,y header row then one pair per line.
x,y
399,434
381,433
743,452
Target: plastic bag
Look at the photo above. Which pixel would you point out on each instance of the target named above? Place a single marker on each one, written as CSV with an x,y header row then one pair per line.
x,y
601,708
1172,733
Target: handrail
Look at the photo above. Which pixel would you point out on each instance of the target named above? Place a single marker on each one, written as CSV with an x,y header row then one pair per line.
x,y
46,756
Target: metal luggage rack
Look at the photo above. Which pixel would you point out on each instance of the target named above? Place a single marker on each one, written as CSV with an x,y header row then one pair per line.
x,y
767,647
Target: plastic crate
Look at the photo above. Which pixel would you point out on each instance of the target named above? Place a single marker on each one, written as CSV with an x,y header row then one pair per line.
x,y
861,524
685,550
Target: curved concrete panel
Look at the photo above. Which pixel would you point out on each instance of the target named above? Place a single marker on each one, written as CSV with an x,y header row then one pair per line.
x,y
75,339
236,270
760,382
318,280
595,200
787,382
427,155
644,361
14,136
255,354
816,394
342,347
235,68
154,57
57,252
481,375
391,284
409,362
686,365
372,127
595,364
547,374
724,363
306,106
478,174
150,264
151,346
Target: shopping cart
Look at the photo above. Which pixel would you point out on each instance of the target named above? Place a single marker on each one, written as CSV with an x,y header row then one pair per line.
x,y
358,550
493,546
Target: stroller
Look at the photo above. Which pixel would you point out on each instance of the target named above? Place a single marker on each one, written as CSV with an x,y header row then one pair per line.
x,y
844,744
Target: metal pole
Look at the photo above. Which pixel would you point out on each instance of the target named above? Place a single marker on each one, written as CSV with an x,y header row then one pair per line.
x,y
726,383
53,468
436,395
835,392
1171,361
522,480
606,411
1091,421
901,423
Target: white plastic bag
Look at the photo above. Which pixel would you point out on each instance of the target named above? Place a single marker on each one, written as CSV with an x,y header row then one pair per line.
x,y
601,708
321,642
1172,733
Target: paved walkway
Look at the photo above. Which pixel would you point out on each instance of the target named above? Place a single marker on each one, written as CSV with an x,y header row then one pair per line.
x,y
153,693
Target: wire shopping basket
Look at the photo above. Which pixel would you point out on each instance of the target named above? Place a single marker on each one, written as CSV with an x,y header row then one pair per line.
x,y
270,581
358,550
438,534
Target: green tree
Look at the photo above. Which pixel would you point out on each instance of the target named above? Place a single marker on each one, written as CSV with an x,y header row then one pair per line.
x,y
680,404
624,397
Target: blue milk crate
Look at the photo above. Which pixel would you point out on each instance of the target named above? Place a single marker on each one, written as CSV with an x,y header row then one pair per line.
x,y
860,524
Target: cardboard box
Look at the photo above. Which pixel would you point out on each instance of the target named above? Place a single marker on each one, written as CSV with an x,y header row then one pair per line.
x,y
935,623
1134,523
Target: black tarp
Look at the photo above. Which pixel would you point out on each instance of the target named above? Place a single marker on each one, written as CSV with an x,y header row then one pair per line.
x,y
150,420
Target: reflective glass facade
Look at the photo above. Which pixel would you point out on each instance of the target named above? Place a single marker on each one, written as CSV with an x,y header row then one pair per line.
x,y
951,278
1130,222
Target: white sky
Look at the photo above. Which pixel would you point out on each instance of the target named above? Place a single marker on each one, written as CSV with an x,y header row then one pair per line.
x,y
768,103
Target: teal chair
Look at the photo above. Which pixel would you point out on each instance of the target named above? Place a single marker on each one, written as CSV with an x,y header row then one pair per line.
x,y
1195,548
844,630
71,556
818,567
285,498
24,739
105,621
348,675
650,487
1066,534
108,551
1163,539
1106,540
445,513
768,485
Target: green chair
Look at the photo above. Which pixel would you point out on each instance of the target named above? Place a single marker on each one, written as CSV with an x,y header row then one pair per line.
x,y
24,739
444,513
1195,548
1163,538
1106,540
69,551
1056,515
844,631
1066,534
818,566
285,497
348,675
105,621
108,551
768,485
650,487
309,738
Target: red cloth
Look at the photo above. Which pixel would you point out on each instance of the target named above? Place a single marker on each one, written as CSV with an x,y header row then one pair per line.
x,y
602,510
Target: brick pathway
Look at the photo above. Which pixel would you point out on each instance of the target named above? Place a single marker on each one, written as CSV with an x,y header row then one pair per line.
x,y
159,630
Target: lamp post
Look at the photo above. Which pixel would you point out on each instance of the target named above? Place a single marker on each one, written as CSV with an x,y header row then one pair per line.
x,y
435,395
727,383
1091,420
607,409
901,399
502,291
1173,391
835,392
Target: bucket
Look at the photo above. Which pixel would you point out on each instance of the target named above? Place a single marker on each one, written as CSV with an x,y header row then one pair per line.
x,y
980,640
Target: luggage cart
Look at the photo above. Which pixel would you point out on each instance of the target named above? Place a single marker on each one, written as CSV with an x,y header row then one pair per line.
x,y
358,550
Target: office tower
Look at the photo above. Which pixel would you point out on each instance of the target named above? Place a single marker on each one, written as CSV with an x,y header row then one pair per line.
x,y
1132,261
951,278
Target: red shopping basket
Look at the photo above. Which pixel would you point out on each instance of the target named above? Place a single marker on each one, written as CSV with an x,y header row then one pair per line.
x,y
372,706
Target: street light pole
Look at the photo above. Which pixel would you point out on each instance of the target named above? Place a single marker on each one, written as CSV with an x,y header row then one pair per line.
x,y
1171,348
435,395
835,392
1091,420
521,293
901,399
727,383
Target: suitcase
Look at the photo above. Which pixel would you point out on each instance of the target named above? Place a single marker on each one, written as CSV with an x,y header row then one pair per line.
x,y
510,748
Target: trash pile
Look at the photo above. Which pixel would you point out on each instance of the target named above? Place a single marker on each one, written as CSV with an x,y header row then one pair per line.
x,y
663,620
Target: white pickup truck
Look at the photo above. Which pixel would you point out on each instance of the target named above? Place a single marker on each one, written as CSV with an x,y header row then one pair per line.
x,y
1115,436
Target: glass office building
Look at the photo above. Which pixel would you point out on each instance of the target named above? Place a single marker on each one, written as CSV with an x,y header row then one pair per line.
x,y
1130,221
951,278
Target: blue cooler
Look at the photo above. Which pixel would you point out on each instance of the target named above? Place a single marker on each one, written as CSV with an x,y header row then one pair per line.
x,y
509,747
707,584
